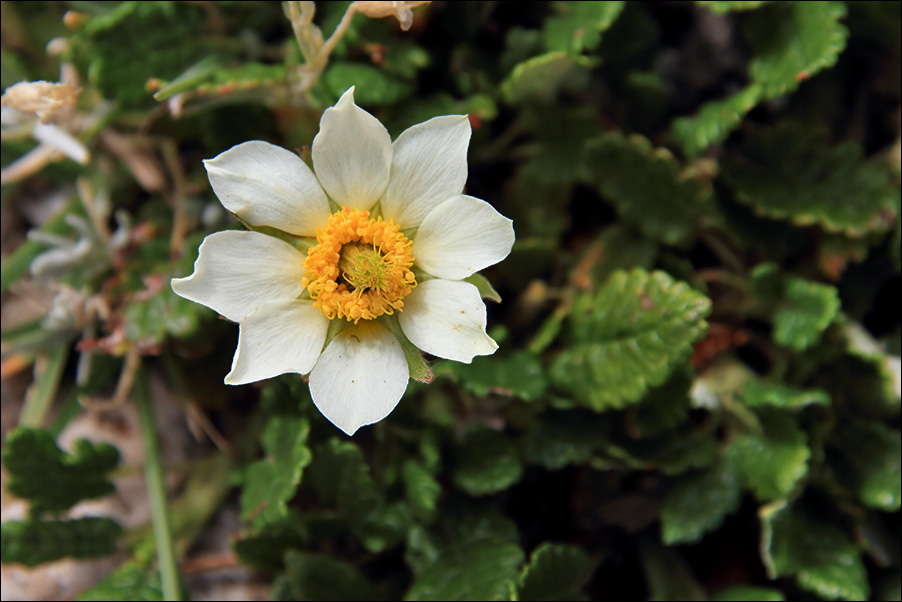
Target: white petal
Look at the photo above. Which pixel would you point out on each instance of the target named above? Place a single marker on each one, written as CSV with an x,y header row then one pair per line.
x,y
429,165
352,154
360,376
461,236
280,336
236,271
447,319
266,185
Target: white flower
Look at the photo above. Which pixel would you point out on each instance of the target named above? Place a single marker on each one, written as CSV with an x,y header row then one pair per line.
x,y
360,270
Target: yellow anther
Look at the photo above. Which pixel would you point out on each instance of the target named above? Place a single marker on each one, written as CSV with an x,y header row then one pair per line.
x,y
359,268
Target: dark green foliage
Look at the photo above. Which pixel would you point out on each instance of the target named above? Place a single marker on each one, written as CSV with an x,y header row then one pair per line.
x,y
128,582
135,41
271,482
774,459
647,187
488,463
717,491
555,572
822,558
320,577
54,480
628,337
342,478
696,390
786,172
520,375
36,541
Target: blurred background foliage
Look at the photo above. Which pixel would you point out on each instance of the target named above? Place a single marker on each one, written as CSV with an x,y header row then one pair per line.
x,y
697,393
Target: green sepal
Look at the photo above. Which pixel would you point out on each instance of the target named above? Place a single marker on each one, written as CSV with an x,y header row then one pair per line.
x,y
485,288
301,243
416,365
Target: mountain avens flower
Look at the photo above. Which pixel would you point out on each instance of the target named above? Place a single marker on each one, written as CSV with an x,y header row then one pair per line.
x,y
385,240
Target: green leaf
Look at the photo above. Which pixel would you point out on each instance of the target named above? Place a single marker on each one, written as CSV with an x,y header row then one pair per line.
x,y
714,121
646,186
323,578
518,375
131,581
823,558
578,26
667,574
404,58
793,41
149,321
869,456
664,408
722,7
488,463
35,542
810,307
756,393
483,570
540,78
270,483
265,549
861,344
555,160
789,172
558,439
420,488
54,480
374,86
342,477
743,593
699,504
136,41
555,572
628,337
774,460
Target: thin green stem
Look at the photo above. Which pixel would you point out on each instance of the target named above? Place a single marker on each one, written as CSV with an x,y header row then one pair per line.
x,y
156,489
48,372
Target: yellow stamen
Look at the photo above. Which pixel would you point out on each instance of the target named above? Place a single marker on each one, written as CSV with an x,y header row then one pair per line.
x,y
360,268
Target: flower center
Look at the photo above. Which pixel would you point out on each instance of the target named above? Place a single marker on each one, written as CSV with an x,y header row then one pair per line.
x,y
359,268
